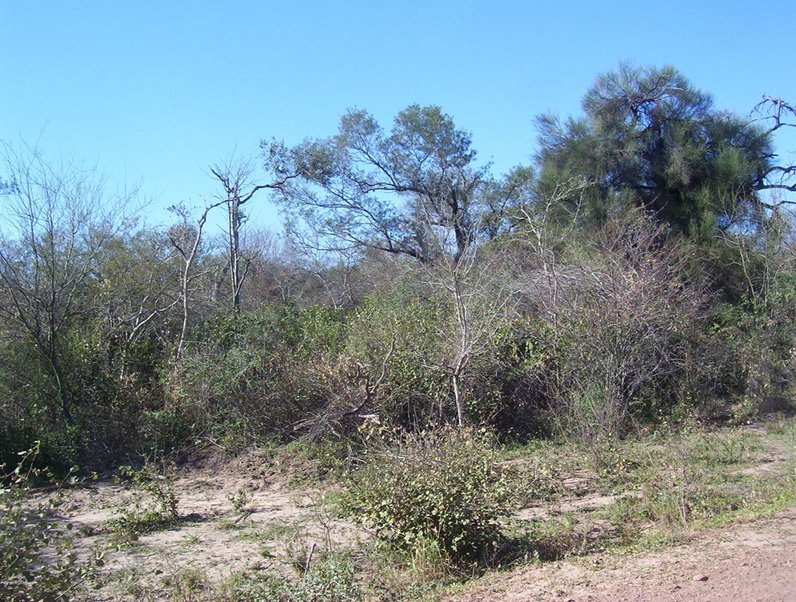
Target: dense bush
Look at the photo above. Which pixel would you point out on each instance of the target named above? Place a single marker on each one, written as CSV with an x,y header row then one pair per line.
x,y
413,385
441,487
254,375
617,326
609,289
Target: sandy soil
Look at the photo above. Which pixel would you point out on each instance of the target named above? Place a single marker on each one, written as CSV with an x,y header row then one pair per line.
x,y
212,540
754,561
281,524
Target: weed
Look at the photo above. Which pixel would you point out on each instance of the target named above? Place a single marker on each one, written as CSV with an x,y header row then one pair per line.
x,y
240,500
541,478
154,505
276,530
558,538
329,579
192,540
129,582
237,524
185,584
307,462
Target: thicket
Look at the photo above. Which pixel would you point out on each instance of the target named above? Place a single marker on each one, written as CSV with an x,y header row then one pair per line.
x,y
641,271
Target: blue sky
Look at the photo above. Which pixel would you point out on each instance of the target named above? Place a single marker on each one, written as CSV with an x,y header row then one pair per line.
x,y
153,92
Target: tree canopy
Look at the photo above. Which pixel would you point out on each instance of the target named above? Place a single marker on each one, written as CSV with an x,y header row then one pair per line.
x,y
562,297
415,191
651,139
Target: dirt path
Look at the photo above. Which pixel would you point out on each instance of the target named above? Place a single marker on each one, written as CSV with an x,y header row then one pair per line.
x,y
753,561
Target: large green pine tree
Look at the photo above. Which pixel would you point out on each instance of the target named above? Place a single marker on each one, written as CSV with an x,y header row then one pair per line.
x,y
650,139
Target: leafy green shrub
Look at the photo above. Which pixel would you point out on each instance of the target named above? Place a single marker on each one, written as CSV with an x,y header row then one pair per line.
x,y
442,486
27,532
414,387
154,507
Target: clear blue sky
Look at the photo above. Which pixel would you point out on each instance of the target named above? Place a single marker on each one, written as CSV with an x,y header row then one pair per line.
x,y
154,91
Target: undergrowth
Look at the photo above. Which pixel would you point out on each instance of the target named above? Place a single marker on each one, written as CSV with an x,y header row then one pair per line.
x,y
446,506
153,505
37,558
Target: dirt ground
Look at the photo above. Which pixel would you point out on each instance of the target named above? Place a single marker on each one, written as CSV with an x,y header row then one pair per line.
x,y
212,541
753,561
236,518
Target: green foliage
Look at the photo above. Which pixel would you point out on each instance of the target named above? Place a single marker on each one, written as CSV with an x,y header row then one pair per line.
x,y
413,388
309,461
154,504
396,192
254,375
240,500
692,478
441,486
587,319
37,560
329,579
650,139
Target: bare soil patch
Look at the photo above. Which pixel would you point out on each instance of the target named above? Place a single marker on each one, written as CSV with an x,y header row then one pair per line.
x,y
212,540
245,517
754,561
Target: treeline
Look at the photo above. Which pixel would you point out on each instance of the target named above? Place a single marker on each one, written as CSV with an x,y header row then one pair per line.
x,y
642,270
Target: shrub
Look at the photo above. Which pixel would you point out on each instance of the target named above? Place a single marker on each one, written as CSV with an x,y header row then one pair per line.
x,y
412,391
620,323
255,375
36,557
153,507
441,486
329,580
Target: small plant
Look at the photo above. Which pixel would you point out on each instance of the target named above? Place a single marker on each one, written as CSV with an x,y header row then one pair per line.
x,y
240,500
558,538
28,529
442,486
185,584
329,579
153,507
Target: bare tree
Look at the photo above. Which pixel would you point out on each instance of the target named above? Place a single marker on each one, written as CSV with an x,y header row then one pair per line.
x,y
235,178
777,114
619,317
480,293
136,293
186,239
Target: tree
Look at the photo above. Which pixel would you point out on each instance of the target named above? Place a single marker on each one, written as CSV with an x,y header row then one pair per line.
x,y
777,114
136,292
650,139
235,179
478,293
56,221
399,192
186,238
